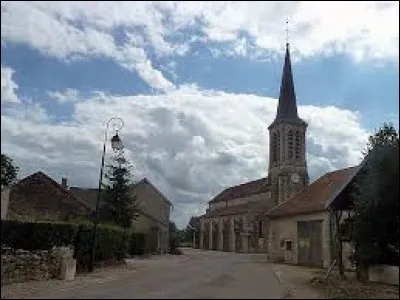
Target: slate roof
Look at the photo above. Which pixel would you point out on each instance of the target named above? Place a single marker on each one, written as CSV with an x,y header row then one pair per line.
x,y
247,189
313,197
287,107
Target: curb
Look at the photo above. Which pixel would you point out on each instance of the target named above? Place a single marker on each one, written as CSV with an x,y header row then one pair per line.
x,y
286,290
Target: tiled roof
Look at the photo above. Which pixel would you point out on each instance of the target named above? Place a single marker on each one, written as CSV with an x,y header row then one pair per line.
x,y
233,210
41,190
313,197
89,196
243,190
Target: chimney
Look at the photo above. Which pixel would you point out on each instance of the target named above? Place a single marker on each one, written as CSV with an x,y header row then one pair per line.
x,y
64,183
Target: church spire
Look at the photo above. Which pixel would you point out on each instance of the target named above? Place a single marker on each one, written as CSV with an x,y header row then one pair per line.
x,y
287,107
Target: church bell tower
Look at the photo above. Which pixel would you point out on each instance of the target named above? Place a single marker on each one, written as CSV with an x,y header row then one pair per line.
x,y
287,141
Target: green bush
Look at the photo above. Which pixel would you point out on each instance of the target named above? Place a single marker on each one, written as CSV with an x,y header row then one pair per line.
x,y
111,243
37,235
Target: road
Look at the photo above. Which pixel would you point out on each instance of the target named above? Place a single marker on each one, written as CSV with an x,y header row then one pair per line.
x,y
196,274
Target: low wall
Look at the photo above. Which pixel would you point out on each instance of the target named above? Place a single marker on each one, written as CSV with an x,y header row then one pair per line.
x,y
21,265
384,274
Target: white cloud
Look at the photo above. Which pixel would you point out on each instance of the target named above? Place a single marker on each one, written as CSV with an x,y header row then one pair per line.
x,y
82,30
68,95
8,86
190,143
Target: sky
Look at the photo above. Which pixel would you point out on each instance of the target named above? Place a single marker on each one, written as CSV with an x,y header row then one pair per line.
x,y
196,84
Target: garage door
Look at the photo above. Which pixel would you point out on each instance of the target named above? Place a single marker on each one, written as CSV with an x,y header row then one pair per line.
x,y
309,243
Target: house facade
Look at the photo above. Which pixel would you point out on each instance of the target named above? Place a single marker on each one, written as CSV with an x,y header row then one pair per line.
x,y
153,212
39,197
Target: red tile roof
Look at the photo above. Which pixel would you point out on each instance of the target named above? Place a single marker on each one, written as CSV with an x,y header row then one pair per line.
x,y
243,190
313,197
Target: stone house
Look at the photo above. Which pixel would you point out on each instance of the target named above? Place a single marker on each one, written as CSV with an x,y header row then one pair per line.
x,y
300,230
153,212
38,197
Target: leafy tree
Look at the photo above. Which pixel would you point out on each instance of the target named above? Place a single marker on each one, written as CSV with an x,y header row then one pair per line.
x,y
375,223
173,236
8,171
119,206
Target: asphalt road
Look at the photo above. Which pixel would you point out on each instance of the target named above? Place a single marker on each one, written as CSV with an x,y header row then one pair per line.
x,y
196,274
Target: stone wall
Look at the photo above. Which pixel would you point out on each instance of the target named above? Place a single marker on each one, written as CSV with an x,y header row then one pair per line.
x,y
21,265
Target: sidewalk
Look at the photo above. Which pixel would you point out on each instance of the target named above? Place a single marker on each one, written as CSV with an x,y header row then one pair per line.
x,y
296,280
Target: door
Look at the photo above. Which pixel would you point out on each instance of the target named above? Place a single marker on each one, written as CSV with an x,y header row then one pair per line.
x,y
309,243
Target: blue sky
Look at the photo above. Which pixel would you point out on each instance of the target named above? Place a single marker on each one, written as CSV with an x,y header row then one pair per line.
x,y
196,84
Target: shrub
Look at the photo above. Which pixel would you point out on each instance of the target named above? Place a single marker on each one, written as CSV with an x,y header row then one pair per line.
x,y
37,235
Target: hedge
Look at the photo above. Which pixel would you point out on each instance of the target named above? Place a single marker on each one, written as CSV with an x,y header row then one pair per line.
x,y
111,246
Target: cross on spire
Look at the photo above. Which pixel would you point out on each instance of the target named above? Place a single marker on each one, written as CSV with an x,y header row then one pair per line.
x,y
287,31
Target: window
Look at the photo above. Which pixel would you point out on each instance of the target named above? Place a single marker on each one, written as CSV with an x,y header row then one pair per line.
x,y
297,148
290,144
275,146
288,245
260,229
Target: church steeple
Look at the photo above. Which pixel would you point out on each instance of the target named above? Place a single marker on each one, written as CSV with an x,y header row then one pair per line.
x,y
287,106
287,141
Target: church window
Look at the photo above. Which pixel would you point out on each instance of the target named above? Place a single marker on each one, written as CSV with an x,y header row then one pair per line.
x,y
275,147
290,144
297,148
278,148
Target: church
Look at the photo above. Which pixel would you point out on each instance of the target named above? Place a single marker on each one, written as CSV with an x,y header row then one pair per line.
x,y
281,214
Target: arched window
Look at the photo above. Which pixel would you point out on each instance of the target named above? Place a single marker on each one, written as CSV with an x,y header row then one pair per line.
x,y
278,146
290,144
297,147
275,146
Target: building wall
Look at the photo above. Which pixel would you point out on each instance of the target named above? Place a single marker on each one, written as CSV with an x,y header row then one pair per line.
x,y
281,229
155,214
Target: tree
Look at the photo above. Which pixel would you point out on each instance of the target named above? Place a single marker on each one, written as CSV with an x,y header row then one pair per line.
x,y
375,223
8,171
173,237
119,205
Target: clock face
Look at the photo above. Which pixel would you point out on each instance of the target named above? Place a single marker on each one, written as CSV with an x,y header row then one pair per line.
x,y
295,178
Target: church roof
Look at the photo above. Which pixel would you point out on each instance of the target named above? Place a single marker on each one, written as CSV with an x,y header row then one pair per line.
x,y
226,211
313,197
287,107
243,190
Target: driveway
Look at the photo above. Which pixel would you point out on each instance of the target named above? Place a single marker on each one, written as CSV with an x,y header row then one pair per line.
x,y
196,274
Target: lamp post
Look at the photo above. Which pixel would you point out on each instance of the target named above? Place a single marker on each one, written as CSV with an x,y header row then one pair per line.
x,y
116,145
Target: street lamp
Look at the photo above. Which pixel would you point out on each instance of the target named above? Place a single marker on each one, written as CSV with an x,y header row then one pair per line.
x,y
117,146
